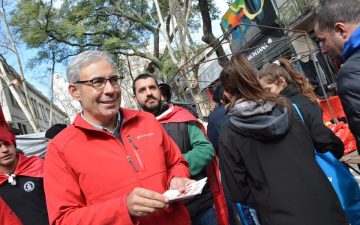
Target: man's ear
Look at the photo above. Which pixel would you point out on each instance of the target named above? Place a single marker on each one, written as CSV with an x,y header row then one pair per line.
x,y
341,29
74,91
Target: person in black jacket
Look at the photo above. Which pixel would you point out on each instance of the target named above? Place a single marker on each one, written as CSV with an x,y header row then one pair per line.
x,y
217,118
267,152
281,77
337,27
21,184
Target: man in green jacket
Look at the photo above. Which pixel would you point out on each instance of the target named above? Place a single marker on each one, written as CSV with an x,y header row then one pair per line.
x,y
189,135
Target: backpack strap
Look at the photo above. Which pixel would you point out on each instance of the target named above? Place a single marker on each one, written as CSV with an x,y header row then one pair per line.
x,y
298,111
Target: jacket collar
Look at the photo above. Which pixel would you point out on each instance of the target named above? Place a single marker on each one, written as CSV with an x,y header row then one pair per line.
x,y
126,114
177,114
352,45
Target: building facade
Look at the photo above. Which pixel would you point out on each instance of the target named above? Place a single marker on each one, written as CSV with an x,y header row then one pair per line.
x,y
299,15
265,30
15,116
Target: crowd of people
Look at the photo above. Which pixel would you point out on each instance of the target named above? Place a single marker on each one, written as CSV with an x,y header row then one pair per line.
x,y
112,165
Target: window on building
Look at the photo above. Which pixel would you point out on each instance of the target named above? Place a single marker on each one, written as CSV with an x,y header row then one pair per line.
x,y
13,101
22,128
35,106
43,112
48,112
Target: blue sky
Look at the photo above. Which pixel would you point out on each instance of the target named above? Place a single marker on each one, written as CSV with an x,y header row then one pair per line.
x,y
37,75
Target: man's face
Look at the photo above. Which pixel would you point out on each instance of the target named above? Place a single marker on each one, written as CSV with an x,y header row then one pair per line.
x,y
147,94
7,156
331,42
99,105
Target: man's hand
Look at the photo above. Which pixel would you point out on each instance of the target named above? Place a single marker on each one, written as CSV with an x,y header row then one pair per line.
x,y
142,202
180,183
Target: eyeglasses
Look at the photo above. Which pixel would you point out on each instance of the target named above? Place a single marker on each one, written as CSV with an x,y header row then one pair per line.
x,y
101,81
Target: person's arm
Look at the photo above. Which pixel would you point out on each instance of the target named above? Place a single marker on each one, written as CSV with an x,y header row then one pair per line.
x,y
233,172
202,151
323,138
212,131
66,203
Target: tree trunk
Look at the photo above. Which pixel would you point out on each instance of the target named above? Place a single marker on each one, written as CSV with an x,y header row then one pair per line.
x,y
156,43
52,88
165,34
129,67
208,36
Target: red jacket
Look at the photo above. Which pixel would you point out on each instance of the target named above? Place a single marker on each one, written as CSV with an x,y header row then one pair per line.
x,y
176,114
89,172
7,216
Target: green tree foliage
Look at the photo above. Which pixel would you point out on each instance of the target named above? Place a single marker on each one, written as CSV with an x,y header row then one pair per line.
x,y
121,27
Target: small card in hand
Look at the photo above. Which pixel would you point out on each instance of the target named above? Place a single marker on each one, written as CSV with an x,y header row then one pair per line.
x,y
191,190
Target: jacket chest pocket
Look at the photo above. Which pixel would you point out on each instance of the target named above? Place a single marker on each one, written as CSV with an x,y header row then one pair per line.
x,y
145,154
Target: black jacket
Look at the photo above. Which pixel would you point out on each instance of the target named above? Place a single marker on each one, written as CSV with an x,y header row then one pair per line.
x,y
348,86
323,138
179,133
267,152
216,122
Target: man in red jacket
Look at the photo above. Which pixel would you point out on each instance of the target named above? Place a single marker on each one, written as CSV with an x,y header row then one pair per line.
x,y
111,165
22,198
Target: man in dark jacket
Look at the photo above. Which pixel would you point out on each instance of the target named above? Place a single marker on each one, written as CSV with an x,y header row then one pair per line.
x,y
21,185
217,118
188,134
337,28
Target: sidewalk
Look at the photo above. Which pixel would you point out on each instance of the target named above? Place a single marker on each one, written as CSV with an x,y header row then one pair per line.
x,y
352,160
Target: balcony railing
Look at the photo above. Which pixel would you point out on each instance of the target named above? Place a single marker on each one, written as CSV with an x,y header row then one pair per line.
x,y
291,10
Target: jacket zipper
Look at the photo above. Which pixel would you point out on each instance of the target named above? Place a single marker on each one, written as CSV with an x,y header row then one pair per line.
x,y
134,148
128,157
132,163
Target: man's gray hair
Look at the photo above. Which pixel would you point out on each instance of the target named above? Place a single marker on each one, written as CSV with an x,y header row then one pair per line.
x,y
83,59
334,11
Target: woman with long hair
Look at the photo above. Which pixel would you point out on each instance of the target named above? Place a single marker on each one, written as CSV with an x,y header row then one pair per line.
x,y
267,156
281,78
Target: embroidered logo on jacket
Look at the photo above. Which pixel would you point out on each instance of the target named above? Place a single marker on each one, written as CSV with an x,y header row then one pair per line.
x,y
29,186
144,135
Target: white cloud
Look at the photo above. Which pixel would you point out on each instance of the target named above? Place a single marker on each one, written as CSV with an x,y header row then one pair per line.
x,y
56,3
